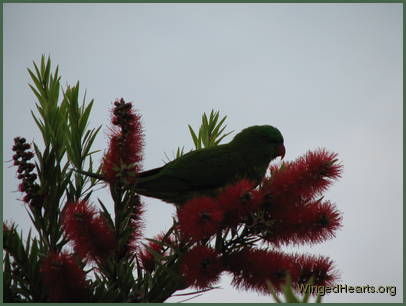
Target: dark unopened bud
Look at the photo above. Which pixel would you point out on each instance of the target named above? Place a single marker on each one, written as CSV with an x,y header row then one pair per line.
x,y
28,186
127,117
28,155
32,177
30,167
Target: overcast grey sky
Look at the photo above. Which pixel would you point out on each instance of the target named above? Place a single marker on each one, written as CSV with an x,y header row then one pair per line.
x,y
327,75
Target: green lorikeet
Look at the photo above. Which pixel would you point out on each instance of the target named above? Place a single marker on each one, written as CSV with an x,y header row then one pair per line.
x,y
206,171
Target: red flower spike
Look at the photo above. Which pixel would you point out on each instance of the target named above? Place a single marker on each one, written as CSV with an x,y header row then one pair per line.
x,y
312,223
90,233
201,267
238,200
297,182
126,142
111,160
252,268
200,218
321,268
63,278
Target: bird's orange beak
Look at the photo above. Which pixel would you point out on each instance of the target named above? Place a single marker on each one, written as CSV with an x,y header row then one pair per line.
x,y
281,151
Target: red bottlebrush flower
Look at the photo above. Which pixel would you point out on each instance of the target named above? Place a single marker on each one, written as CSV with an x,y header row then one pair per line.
x,y
125,150
90,233
201,267
112,159
300,181
321,268
147,258
312,223
200,218
252,268
238,200
63,278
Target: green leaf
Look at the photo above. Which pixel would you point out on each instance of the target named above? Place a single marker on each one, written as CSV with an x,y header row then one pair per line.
x,y
194,137
106,213
290,297
28,242
306,294
179,152
37,82
222,137
40,125
85,116
213,120
89,142
318,298
273,292
205,123
216,128
211,131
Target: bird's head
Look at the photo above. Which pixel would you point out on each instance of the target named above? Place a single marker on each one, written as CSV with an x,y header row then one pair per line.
x,y
264,136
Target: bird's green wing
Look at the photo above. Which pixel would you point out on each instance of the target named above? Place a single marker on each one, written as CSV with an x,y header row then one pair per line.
x,y
197,170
